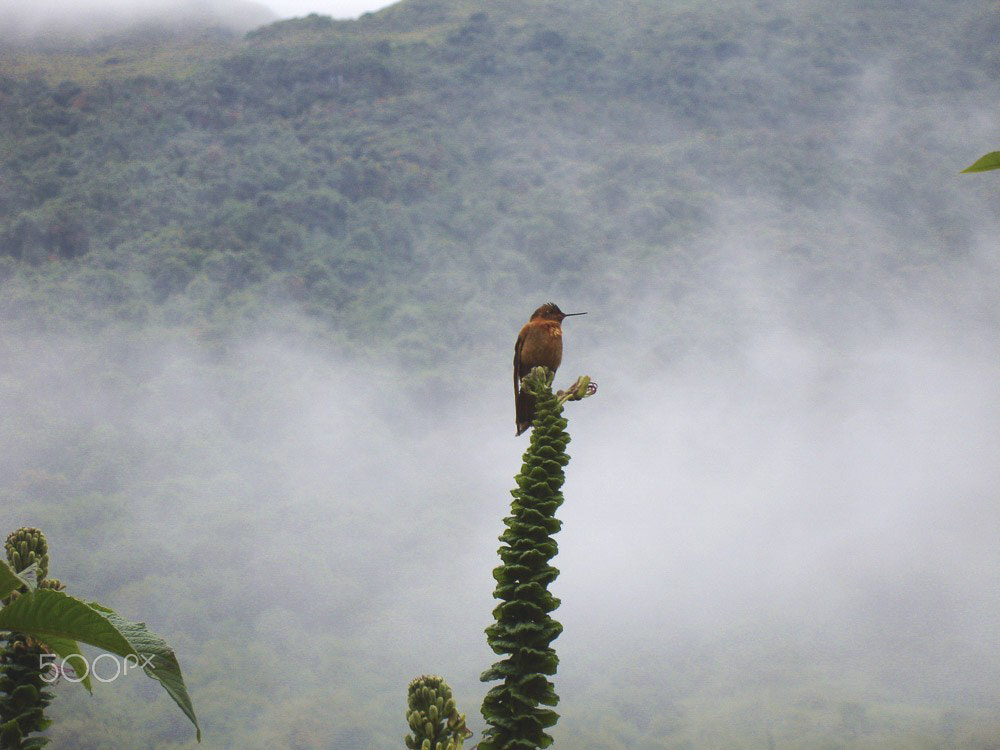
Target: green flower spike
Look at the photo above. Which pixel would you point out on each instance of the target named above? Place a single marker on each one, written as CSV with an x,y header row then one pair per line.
x,y
26,546
24,695
524,630
435,722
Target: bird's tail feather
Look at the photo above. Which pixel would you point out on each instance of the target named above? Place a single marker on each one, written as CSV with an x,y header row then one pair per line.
x,y
524,404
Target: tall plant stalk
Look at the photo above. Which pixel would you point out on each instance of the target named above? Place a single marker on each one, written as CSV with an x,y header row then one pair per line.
x,y
521,707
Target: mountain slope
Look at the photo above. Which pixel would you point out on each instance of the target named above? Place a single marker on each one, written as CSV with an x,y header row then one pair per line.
x,y
342,167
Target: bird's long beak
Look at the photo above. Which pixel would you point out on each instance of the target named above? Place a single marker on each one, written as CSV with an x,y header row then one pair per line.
x,y
570,315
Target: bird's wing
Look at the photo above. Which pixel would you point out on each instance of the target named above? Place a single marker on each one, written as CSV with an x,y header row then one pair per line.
x,y
517,362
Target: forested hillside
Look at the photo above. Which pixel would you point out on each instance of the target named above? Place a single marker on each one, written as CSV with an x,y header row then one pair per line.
x,y
257,302
375,174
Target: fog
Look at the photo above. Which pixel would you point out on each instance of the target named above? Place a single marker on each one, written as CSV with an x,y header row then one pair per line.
x,y
799,490
334,8
796,497
57,21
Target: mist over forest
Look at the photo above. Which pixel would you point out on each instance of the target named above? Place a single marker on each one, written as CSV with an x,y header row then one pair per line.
x,y
258,299
56,26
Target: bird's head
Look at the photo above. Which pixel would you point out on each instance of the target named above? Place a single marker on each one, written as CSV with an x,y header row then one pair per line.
x,y
551,311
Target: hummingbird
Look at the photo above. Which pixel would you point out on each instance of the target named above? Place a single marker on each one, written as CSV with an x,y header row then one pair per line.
x,y
539,344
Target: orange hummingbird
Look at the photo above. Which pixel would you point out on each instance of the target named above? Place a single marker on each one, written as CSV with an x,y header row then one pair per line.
x,y
539,344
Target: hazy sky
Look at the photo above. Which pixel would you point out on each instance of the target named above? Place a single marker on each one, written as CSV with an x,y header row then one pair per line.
x,y
16,17
335,8
43,18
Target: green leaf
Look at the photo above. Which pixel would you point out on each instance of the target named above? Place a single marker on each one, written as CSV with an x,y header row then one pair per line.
x,y
985,163
162,662
47,614
9,580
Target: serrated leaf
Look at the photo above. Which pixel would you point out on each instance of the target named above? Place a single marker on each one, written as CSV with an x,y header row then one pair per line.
x,y
984,163
162,667
48,614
